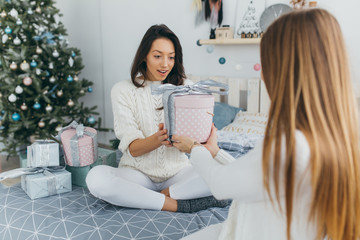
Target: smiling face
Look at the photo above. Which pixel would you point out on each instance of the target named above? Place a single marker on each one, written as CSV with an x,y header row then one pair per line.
x,y
160,59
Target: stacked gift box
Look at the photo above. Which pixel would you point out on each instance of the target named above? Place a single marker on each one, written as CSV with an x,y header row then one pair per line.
x,y
50,178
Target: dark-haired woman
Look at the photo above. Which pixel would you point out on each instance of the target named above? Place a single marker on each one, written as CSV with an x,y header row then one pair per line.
x,y
152,174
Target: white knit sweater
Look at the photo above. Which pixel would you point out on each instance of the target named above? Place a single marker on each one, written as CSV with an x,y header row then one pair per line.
x,y
136,117
251,215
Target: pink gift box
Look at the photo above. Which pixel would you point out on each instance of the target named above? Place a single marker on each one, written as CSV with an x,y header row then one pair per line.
x,y
193,116
84,150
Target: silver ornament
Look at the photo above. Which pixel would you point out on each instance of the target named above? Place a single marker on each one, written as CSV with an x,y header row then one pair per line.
x,y
71,61
76,78
3,14
39,50
5,38
19,89
70,103
12,98
55,53
49,108
51,65
17,41
58,128
59,93
14,13
52,79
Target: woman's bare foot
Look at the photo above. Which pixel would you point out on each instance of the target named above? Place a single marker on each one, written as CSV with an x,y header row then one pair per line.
x,y
170,205
166,192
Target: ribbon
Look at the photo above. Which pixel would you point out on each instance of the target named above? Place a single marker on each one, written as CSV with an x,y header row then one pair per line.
x,y
51,182
169,92
74,147
17,172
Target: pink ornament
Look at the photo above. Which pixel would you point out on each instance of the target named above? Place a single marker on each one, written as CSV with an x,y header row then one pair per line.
x,y
257,67
27,81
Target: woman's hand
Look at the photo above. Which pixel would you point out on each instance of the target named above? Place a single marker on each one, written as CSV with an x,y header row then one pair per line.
x,y
211,143
162,136
183,143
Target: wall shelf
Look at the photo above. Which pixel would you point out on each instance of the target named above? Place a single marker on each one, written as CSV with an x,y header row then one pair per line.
x,y
229,41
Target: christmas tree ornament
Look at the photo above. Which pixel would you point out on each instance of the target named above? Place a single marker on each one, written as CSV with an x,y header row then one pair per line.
x,y
71,61
91,120
52,79
70,103
13,13
89,89
38,50
3,14
30,11
55,53
18,22
37,106
37,71
49,108
8,30
17,41
41,124
45,92
47,73
27,81
82,91
41,29
19,89
33,63
13,66
23,107
76,78
16,117
69,78
12,98
73,54
51,65
4,38
61,37
38,9
59,93
58,128
24,66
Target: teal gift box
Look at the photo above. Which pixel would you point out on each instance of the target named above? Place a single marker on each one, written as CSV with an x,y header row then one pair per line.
x,y
46,183
105,157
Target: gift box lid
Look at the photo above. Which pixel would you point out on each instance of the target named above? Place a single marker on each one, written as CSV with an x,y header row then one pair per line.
x,y
85,139
195,101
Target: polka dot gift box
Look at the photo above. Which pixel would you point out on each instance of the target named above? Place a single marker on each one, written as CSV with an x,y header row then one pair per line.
x,y
193,116
189,109
80,144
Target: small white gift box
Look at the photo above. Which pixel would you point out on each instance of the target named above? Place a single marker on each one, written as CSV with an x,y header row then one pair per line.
x,y
43,153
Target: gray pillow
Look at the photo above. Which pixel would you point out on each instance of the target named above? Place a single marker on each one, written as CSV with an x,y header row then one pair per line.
x,y
224,114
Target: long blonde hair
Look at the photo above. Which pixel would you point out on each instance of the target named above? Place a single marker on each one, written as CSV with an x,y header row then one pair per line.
x,y
306,73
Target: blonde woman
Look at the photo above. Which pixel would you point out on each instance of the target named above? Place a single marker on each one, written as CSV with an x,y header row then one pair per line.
x,y
302,181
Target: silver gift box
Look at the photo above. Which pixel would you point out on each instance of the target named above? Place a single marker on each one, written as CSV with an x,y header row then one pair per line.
x,y
46,184
43,153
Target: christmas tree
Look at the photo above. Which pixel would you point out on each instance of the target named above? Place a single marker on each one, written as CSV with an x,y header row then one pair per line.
x,y
40,89
249,24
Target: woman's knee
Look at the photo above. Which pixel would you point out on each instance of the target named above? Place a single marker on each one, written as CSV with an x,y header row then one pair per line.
x,y
97,179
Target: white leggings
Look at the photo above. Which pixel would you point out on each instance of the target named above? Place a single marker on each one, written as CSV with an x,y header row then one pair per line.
x,y
131,188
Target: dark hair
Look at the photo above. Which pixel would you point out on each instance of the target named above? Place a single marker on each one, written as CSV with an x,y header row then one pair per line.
x,y
208,11
177,74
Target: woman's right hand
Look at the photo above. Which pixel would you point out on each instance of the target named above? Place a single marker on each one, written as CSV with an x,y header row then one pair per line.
x,y
162,136
211,144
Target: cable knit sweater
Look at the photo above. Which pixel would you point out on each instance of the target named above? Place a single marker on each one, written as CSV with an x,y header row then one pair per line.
x,y
251,215
136,117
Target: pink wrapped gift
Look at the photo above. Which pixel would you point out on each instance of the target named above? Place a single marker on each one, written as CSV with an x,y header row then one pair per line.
x,y
80,145
193,116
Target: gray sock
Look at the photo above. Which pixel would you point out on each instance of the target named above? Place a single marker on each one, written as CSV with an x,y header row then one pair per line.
x,y
195,205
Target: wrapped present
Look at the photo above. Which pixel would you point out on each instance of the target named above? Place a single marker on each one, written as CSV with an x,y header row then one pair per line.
x,y
43,153
80,144
46,183
78,174
189,109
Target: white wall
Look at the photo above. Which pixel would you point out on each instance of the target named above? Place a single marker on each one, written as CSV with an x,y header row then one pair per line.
x,y
108,33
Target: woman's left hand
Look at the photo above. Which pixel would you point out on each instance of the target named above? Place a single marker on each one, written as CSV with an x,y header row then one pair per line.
x,y
183,143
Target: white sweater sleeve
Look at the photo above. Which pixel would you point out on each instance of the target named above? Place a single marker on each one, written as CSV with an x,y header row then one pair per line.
x,y
125,125
240,179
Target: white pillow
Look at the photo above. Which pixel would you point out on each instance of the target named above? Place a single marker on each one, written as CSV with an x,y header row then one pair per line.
x,y
248,123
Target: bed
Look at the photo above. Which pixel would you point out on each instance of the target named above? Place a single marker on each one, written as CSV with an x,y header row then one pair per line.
x,y
78,215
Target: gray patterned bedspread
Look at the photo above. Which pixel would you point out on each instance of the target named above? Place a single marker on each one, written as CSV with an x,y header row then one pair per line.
x,y
80,216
